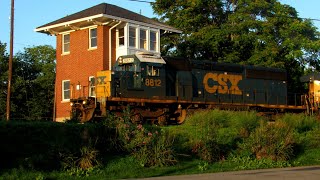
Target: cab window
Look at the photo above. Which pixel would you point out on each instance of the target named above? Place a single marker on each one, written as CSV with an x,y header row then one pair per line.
x,y
153,71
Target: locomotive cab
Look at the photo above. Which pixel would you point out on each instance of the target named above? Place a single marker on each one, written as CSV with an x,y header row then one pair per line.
x,y
312,98
141,76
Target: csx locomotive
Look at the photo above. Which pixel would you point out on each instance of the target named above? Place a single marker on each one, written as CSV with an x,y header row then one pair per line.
x,y
163,89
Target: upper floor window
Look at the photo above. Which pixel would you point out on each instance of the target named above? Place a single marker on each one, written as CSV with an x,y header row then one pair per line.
x,y
66,90
121,37
92,86
65,43
143,39
132,36
93,38
153,40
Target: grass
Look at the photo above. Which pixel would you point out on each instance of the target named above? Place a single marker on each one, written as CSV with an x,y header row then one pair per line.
x,y
210,141
308,158
127,167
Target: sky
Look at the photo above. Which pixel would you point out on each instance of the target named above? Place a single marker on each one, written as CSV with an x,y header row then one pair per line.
x,y
32,14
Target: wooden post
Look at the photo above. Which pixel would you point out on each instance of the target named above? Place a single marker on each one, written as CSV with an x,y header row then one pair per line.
x,y
10,60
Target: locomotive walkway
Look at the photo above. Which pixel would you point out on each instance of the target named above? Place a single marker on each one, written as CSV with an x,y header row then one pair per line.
x,y
296,173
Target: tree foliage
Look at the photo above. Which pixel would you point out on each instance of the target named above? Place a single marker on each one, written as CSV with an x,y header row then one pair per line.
x,y
4,57
33,77
260,32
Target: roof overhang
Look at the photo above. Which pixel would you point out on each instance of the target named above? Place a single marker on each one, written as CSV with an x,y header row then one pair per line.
x,y
99,19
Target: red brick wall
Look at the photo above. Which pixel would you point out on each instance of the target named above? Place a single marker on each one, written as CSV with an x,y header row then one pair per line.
x,y
79,64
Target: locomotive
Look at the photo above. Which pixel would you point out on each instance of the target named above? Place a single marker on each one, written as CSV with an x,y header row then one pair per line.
x,y
164,89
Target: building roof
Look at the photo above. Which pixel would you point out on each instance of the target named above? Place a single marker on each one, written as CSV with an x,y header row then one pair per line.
x,y
314,76
102,14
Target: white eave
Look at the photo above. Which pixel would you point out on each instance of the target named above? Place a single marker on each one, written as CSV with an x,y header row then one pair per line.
x,y
99,19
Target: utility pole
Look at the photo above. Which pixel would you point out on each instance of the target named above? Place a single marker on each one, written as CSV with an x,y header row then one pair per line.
x,y
10,59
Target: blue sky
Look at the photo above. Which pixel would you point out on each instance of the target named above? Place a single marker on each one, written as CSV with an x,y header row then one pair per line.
x,y
34,13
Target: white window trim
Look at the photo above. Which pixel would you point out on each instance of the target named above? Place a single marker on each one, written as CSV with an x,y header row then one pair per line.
x,y
63,51
65,100
90,77
90,47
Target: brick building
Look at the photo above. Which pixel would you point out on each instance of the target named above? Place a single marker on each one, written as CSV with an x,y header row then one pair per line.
x,y
90,41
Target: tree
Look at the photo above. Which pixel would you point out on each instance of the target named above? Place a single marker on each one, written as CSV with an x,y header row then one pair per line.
x,y
260,32
32,83
4,58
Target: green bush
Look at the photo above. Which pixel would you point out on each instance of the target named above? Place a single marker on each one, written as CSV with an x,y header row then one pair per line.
x,y
246,162
150,145
271,140
213,134
300,122
39,145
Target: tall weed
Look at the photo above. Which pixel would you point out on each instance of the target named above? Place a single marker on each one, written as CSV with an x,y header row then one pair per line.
x,y
247,162
300,122
150,145
213,134
271,140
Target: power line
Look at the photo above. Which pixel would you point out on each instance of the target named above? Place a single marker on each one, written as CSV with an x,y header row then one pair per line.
x,y
141,1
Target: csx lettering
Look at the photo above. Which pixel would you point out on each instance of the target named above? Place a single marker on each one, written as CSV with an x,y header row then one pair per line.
x,y
222,80
153,82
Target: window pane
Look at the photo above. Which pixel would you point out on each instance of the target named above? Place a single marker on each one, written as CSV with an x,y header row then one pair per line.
x,y
132,36
66,43
153,71
121,37
66,90
93,32
66,85
153,41
143,39
66,48
66,95
94,42
66,38
93,37
92,89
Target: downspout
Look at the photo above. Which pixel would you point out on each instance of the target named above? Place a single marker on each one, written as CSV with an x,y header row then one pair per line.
x,y
110,52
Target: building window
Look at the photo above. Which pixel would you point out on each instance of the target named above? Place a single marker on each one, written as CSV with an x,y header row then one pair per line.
x,y
92,86
93,38
65,90
153,41
153,71
121,37
132,36
143,39
65,43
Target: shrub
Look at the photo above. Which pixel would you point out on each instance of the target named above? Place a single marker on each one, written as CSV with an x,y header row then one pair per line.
x,y
39,145
246,162
158,152
150,145
271,140
208,151
81,164
213,134
300,122
88,158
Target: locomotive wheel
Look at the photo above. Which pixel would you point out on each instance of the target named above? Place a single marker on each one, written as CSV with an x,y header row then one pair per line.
x,y
182,117
88,115
78,112
162,120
